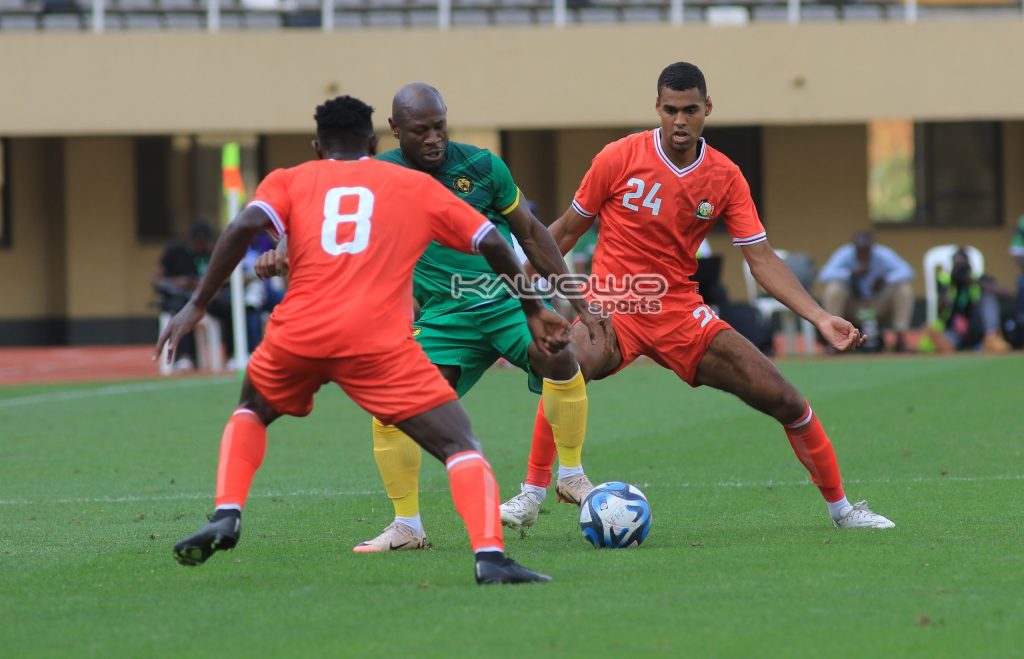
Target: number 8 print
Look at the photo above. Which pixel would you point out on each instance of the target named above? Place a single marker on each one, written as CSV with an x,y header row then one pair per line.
x,y
333,218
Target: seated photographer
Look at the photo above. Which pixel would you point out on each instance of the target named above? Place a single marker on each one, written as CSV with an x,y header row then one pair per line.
x,y
968,310
864,280
178,274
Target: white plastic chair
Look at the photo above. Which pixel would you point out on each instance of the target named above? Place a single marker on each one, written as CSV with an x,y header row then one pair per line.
x,y
941,258
209,350
769,306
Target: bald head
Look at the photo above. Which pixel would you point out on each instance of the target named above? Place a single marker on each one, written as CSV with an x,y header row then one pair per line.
x,y
419,119
417,99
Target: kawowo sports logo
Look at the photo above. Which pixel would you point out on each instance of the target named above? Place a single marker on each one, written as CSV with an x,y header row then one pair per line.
x,y
630,294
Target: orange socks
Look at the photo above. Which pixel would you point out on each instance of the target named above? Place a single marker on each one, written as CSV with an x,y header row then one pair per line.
x,y
242,447
542,452
813,448
476,498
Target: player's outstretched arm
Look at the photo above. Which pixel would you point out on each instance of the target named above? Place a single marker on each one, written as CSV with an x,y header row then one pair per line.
x,y
536,241
550,331
227,253
775,276
546,258
567,229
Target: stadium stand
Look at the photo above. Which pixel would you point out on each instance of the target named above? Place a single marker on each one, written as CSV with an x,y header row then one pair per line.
x,y
30,15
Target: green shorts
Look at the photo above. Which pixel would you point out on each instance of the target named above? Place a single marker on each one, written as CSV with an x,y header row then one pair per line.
x,y
474,339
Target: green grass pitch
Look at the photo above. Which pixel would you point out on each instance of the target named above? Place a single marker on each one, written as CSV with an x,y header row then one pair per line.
x,y
98,481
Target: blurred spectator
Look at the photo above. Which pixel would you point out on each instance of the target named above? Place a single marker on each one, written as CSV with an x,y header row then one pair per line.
x,y
870,285
968,310
1017,250
177,276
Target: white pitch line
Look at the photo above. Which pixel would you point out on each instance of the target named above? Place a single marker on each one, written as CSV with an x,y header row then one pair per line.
x,y
863,481
113,390
185,496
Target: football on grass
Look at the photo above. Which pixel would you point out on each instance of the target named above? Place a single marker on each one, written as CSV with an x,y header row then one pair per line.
x,y
615,515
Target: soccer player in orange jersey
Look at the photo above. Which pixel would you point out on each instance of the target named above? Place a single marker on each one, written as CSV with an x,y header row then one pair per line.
x,y
658,193
347,319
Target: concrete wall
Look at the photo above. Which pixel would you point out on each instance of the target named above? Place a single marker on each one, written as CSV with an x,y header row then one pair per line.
x,y
32,269
515,77
108,272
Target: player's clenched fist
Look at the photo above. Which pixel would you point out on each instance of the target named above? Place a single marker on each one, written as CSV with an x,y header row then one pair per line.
x,y
272,264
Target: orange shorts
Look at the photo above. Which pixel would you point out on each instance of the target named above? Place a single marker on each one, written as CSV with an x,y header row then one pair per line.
x,y
393,386
675,337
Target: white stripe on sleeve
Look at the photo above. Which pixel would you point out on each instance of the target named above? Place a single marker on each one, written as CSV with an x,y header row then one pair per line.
x,y
582,211
484,229
275,219
750,240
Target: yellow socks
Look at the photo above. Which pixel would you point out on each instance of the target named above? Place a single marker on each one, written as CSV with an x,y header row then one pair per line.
x,y
565,405
398,461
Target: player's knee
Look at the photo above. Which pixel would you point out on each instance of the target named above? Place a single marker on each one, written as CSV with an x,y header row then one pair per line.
x,y
789,405
260,408
251,400
459,444
559,366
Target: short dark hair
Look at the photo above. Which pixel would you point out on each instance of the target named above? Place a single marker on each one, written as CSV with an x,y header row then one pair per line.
x,y
200,229
343,121
863,239
682,76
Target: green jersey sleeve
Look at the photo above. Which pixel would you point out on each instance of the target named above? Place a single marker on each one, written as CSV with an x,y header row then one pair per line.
x,y
506,192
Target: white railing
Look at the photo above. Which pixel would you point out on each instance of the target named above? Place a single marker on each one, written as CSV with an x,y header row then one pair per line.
x,y
213,15
910,11
99,21
327,16
444,14
560,12
675,12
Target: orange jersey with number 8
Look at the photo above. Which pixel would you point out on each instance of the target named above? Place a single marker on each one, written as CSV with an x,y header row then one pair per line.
x,y
355,231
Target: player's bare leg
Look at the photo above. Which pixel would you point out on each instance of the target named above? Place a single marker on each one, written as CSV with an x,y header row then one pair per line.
x,y
592,359
242,448
445,433
734,365
398,460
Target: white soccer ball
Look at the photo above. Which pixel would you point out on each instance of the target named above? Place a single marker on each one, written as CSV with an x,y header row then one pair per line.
x,y
615,515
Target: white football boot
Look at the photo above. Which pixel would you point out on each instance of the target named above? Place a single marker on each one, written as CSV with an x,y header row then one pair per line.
x,y
520,511
573,489
859,516
395,537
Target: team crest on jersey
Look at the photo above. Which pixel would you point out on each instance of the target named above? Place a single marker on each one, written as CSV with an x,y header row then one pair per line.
x,y
705,210
463,184
416,331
